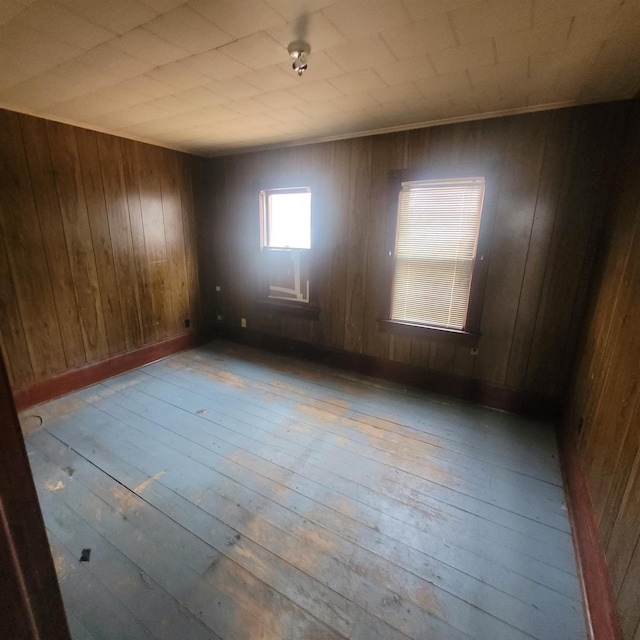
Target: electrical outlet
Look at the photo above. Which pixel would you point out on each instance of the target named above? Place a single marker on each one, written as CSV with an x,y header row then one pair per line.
x,y
243,322
218,287
474,351
219,317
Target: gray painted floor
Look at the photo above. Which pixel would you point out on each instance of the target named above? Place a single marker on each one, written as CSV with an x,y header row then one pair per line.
x,y
229,493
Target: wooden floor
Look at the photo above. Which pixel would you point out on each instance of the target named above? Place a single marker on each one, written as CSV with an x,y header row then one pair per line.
x,y
229,493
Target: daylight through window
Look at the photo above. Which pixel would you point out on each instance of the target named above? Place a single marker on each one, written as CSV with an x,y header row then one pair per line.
x,y
288,218
286,243
436,238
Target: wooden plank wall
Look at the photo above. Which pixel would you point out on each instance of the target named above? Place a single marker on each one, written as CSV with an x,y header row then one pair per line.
x,y
604,407
97,255
547,171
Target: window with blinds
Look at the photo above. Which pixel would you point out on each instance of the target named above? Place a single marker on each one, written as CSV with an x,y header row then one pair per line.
x,y
436,238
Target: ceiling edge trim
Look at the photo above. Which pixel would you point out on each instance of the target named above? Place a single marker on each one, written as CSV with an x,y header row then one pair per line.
x,y
419,125
329,138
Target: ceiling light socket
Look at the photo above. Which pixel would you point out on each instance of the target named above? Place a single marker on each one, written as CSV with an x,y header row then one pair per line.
x,y
299,51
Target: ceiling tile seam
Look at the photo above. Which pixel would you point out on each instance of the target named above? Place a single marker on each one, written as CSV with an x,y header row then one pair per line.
x,y
456,36
532,13
111,86
155,35
573,21
143,26
95,24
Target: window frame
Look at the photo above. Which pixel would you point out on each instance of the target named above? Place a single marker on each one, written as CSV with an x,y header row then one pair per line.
x,y
470,334
265,218
283,306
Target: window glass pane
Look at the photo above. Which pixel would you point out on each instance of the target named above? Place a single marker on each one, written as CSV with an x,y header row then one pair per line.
x,y
438,224
289,220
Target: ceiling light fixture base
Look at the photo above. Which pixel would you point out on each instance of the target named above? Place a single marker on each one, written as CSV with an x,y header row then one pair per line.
x,y
299,51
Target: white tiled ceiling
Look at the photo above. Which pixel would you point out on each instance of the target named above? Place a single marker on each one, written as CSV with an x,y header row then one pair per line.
x,y
210,76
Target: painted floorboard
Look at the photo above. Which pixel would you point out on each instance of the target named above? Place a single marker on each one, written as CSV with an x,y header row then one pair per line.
x,y
428,493
229,493
246,464
474,592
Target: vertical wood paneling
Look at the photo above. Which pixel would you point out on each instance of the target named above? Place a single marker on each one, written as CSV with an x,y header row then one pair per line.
x,y
620,392
190,240
538,246
3,354
358,216
226,244
34,132
603,415
322,222
110,153
466,149
624,504
101,238
26,255
243,240
628,596
337,307
174,235
14,341
389,153
555,153
85,218
511,240
146,158
210,223
134,203
77,231
570,246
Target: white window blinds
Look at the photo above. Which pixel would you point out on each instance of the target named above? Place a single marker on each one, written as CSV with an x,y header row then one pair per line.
x,y
436,237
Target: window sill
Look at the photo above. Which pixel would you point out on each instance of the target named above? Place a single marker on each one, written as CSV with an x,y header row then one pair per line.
x,y
453,336
283,307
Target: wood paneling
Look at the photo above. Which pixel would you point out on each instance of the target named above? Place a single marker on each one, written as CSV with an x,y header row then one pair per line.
x,y
97,255
542,213
77,231
25,254
604,407
358,241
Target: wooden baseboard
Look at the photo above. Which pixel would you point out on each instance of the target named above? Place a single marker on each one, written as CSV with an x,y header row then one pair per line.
x,y
602,616
412,375
75,379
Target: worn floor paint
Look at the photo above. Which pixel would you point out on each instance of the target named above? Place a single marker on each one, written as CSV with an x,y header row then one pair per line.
x,y
226,493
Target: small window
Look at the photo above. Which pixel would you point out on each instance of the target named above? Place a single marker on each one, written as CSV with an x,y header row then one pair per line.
x,y
287,218
436,239
286,243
